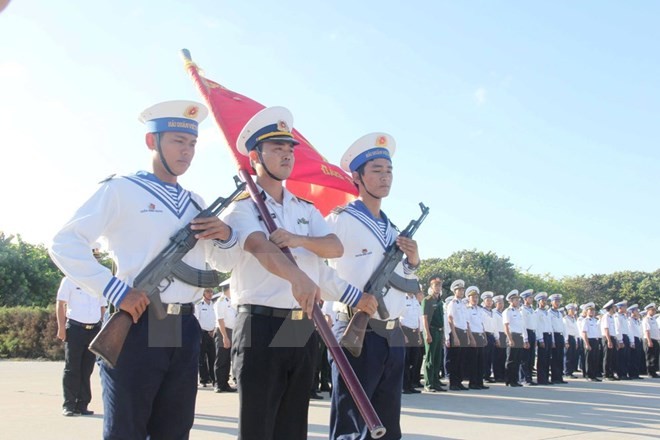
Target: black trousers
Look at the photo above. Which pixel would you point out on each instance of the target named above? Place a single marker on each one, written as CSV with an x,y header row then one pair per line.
x,y
78,367
412,354
527,357
651,356
499,370
592,359
513,356
207,358
609,357
456,361
557,359
222,366
543,359
274,365
475,361
581,357
571,356
623,358
638,359
489,355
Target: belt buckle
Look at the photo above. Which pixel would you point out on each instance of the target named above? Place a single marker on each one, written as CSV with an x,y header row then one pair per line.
x,y
89,326
390,324
174,309
297,315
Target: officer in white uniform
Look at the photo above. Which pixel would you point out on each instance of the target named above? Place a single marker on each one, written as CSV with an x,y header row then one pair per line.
x,y
499,360
366,233
516,338
529,354
274,343
623,336
591,336
571,335
153,387
637,364
459,338
651,339
610,341
79,316
410,324
544,340
475,353
490,328
557,356
206,317
225,319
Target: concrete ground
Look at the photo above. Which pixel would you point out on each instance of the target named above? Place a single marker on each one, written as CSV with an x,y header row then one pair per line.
x,y
31,399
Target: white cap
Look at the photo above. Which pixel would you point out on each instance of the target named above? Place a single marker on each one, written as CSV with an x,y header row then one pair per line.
x,y
457,284
181,116
472,290
269,124
368,147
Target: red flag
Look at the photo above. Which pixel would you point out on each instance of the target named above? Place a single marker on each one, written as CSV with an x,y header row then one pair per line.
x,y
313,177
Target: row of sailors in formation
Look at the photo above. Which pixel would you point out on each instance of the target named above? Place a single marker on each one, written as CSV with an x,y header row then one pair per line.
x,y
554,340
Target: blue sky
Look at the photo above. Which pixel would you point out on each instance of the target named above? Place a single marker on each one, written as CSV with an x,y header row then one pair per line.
x,y
529,129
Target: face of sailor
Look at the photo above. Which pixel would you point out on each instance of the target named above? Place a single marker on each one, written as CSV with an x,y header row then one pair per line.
x,y
459,292
376,178
278,158
208,294
178,151
488,302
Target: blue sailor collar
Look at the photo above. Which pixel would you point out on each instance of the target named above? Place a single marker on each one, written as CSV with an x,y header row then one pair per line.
x,y
173,196
381,228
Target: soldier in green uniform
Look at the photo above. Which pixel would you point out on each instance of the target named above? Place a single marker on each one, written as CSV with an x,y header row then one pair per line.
x,y
432,318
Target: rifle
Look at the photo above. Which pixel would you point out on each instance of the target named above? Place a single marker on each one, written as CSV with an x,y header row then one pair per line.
x,y
380,282
109,342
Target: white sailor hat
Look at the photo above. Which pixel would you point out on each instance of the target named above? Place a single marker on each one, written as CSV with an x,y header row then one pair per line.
x,y
180,116
571,306
487,294
513,294
623,303
472,290
555,297
650,306
527,293
498,298
368,147
458,284
633,307
584,307
608,304
269,124
541,295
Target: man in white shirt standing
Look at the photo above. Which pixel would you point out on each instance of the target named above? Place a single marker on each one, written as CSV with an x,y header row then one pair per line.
x,y
206,317
544,339
610,342
651,340
529,354
623,336
225,316
572,334
516,336
79,316
637,365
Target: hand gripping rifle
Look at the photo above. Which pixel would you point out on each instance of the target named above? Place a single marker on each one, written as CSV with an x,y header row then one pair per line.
x,y
378,285
156,277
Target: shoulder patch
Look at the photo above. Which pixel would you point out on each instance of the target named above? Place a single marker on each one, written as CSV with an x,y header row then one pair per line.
x,y
242,196
110,177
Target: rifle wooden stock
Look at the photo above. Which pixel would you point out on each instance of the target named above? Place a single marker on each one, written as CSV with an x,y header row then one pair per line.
x,y
110,340
353,337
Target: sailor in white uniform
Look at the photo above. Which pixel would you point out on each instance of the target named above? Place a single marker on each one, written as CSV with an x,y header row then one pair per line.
x,y
571,335
528,354
499,360
544,339
152,389
366,232
516,336
557,323
651,334
590,335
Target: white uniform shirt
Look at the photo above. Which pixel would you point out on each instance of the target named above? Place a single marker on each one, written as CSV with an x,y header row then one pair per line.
x,y
328,309
457,310
571,326
205,315
514,318
365,240
489,322
252,283
621,326
650,324
591,328
635,328
476,319
543,324
529,317
80,305
499,321
607,322
135,215
225,310
556,321
410,317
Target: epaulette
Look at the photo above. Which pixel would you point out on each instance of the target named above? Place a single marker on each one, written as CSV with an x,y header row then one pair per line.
x,y
107,178
339,209
242,196
305,200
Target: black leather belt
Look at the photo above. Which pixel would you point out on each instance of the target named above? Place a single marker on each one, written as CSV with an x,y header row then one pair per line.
x,y
179,309
293,314
83,325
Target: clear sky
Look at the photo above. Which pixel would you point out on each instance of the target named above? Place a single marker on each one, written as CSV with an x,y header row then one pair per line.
x,y
529,128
